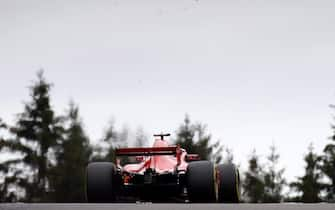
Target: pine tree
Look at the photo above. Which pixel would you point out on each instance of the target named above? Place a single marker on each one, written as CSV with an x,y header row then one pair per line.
x,y
309,185
36,133
253,184
328,166
7,180
2,124
194,139
112,139
68,176
229,156
122,137
104,150
185,136
202,141
141,139
273,179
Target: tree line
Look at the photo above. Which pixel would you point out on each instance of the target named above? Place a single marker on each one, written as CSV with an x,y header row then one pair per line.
x,y
46,155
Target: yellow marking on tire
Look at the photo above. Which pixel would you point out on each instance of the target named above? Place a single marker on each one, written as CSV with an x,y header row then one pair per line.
x,y
216,191
237,185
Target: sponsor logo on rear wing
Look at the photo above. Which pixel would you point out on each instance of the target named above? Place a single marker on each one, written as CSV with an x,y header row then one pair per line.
x,y
147,151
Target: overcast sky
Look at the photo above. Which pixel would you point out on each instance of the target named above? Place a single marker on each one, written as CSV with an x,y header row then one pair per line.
x,y
255,72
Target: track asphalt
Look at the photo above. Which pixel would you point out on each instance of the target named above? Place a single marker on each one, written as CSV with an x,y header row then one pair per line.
x,y
149,206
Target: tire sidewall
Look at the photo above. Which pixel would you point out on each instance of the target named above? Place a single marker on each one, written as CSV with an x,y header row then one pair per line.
x,y
201,182
228,183
100,184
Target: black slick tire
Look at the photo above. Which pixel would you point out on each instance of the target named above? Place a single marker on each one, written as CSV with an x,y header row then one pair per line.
x,y
228,183
201,183
100,182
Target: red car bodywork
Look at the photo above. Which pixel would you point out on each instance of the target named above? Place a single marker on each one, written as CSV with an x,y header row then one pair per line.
x,y
161,158
161,173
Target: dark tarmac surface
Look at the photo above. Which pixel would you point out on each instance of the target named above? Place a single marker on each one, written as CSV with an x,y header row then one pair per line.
x,y
149,206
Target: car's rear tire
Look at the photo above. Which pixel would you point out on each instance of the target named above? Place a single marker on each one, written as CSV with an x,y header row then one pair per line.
x,y
228,183
100,182
201,183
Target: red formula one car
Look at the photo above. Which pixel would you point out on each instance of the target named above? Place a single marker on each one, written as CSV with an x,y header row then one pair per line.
x,y
163,173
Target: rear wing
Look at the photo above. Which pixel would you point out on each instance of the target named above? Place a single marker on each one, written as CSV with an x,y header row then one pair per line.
x,y
147,151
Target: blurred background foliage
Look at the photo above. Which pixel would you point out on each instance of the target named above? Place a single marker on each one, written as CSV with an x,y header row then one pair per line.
x,y
48,154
